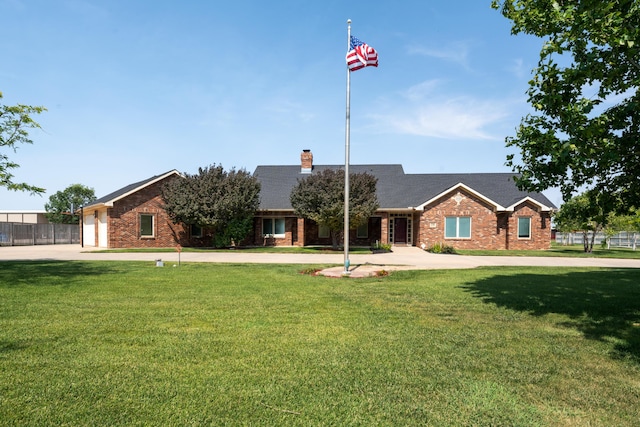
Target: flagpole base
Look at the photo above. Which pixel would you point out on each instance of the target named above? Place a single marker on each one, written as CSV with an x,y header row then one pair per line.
x,y
346,271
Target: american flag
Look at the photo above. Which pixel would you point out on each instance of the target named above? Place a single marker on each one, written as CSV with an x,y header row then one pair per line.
x,y
361,55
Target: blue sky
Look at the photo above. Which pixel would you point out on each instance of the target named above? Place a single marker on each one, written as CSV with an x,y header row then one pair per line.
x,y
135,88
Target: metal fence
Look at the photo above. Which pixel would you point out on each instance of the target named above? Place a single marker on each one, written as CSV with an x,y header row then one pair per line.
x,y
621,240
18,234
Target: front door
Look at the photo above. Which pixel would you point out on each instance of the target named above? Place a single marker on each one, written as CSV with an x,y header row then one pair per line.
x,y
400,231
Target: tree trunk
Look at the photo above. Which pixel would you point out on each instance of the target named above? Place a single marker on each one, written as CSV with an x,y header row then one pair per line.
x,y
335,238
593,239
585,241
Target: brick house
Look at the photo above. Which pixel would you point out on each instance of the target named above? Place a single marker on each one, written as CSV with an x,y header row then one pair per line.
x,y
133,217
466,211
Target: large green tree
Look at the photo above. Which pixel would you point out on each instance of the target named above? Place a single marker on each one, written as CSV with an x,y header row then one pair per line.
x,y
63,204
225,201
584,133
320,197
586,213
15,121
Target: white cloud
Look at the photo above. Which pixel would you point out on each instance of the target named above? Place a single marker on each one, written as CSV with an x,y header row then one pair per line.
x,y
287,109
517,68
424,110
422,90
456,52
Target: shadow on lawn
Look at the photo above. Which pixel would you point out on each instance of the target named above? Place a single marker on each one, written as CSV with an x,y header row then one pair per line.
x,y
601,304
49,273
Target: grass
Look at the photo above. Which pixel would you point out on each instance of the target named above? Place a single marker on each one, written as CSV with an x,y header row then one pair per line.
x,y
86,343
556,250
573,251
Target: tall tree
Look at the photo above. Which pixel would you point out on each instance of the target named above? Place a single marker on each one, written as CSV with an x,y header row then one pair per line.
x,y
61,206
14,124
223,200
585,129
320,197
586,213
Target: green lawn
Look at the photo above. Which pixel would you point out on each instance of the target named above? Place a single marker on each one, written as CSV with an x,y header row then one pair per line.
x,y
556,250
126,343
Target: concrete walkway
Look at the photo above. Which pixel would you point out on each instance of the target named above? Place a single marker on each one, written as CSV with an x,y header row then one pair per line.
x,y
362,265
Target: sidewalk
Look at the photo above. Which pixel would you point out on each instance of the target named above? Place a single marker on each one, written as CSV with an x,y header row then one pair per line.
x,y
362,265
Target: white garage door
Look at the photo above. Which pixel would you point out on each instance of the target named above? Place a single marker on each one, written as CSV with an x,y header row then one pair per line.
x,y
89,231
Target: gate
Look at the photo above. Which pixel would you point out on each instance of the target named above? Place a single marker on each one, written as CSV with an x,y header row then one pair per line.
x,y
19,234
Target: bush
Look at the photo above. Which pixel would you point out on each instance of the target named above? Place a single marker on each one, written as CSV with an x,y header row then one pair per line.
x,y
381,247
441,248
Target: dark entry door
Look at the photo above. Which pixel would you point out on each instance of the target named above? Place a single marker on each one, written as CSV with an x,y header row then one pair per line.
x,y
400,231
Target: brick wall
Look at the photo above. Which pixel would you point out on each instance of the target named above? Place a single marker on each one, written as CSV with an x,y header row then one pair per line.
x,y
540,228
124,221
291,234
485,233
300,232
489,230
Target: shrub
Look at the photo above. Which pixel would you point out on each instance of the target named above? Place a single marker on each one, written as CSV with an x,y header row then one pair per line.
x,y
441,248
381,247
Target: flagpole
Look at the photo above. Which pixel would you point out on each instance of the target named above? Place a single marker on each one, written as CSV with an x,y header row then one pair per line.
x,y
346,159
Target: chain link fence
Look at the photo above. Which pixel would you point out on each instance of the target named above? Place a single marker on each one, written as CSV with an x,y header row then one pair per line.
x,y
18,234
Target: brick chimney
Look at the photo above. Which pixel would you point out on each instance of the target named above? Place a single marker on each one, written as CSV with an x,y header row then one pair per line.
x,y
306,161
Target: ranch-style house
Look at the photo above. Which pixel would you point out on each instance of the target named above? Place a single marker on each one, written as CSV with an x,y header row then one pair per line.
x,y
463,210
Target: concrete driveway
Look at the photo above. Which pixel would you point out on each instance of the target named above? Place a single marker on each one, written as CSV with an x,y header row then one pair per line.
x,y
402,258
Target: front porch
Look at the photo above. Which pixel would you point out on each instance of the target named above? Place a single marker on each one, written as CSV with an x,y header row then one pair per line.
x,y
284,229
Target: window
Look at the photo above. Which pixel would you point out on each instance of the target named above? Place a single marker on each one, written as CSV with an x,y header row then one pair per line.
x,y
324,232
196,230
363,231
273,227
146,225
524,227
457,227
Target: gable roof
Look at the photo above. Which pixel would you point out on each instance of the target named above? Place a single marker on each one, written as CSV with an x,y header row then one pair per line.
x,y
111,198
397,190
497,189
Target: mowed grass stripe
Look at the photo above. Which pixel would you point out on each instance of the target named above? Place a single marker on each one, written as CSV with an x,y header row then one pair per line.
x,y
131,344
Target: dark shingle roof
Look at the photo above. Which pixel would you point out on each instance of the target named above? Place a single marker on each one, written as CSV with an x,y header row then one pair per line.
x,y
131,188
278,181
396,190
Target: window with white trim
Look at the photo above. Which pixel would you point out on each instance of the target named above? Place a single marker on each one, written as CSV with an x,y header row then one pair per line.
x,y
524,227
273,227
146,225
457,227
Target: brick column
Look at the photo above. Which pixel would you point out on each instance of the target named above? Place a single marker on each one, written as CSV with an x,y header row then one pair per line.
x,y
384,228
301,232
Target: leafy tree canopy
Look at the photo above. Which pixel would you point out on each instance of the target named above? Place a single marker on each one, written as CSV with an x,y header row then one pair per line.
x,y
320,197
61,206
223,200
588,212
14,124
584,132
